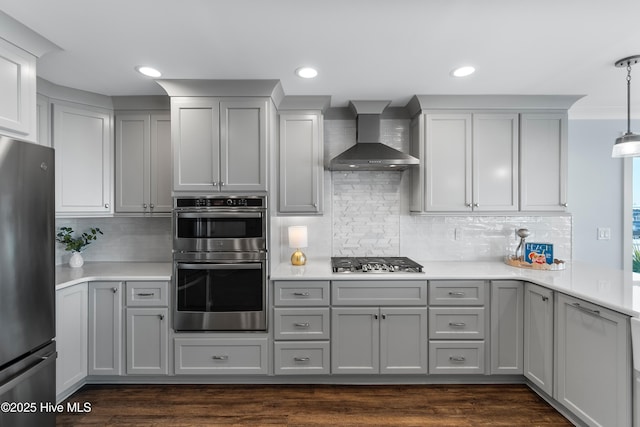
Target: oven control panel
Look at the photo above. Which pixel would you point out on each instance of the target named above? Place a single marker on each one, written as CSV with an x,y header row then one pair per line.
x,y
219,202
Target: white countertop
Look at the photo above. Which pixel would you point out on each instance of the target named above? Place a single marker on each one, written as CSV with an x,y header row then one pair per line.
x,y
607,287
90,271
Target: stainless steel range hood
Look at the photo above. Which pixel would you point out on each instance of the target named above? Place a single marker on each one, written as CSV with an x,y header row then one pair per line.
x,y
369,153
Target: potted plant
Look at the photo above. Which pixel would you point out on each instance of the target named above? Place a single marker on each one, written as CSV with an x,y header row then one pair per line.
x,y
76,244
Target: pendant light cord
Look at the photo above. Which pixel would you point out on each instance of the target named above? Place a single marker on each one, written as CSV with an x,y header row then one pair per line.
x,y
628,97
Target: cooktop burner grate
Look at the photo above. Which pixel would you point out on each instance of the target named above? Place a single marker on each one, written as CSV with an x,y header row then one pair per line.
x,y
374,265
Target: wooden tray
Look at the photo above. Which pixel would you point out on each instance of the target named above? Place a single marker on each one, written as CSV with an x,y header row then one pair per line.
x,y
520,263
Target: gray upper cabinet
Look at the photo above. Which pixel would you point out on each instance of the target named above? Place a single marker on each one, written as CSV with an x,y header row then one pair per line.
x,y
82,138
301,170
219,144
143,162
543,161
470,162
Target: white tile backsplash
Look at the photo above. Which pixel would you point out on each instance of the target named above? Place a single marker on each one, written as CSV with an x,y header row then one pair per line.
x,y
123,239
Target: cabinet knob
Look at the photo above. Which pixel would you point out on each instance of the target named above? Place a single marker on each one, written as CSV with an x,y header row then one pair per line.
x,y
144,205
114,290
221,183
468,205
545,299
161,316
384,316
214,183
151,206
375,316
475,205
106,205
565,204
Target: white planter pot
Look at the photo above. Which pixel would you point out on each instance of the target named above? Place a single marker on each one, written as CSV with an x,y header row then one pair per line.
x,y
76,260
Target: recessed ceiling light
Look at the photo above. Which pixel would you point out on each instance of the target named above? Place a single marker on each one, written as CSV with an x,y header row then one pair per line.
x,y
465,71
148,71
306,72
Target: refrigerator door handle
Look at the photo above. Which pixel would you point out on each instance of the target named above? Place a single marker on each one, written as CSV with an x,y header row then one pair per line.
x,y
41,362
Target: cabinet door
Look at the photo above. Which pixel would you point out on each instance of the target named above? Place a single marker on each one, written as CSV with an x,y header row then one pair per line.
x,y
403,340
448,162
18,89
147,340
543,162
195,140
243,146
507,303
593,371
538,336
495,162
132,162
84,159
105,328
355,340
300,163
43,120
71,338
160,200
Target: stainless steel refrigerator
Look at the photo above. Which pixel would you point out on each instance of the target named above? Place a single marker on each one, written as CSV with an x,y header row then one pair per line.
x,y
27,284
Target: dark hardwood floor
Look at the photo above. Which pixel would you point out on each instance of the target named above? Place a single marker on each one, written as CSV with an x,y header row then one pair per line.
x,y
311,405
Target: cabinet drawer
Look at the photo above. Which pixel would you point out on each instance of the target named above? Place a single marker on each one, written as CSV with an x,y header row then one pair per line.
x,y
456,292
301,323
379,292
456,323
456,357
220,356
144,294
301,293
302,358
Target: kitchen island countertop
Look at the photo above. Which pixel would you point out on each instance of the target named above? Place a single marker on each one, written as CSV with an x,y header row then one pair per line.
x,y
91,271
610,288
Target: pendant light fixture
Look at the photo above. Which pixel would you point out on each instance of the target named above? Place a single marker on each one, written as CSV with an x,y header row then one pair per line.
x,y
628,145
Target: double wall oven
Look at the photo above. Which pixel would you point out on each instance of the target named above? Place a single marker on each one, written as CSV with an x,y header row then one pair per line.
x,y
220,263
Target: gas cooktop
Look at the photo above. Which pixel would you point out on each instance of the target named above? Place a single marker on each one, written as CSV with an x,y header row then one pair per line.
x,y
374,265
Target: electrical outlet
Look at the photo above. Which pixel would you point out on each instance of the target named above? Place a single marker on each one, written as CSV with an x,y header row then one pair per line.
x,y
604,233
457,234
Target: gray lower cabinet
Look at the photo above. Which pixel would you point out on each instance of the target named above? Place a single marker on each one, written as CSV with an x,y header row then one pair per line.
x,y
301,327
220,356
386,340
538,336
147,330
457,325
105,328
379,326
593,370
507,305
71,339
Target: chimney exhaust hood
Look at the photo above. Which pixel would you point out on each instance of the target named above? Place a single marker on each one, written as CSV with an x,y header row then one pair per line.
x,y
369,153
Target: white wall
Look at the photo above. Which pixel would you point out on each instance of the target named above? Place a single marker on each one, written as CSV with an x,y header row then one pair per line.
x,y
596,190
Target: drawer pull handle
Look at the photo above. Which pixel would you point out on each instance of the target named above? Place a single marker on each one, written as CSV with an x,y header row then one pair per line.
x,y
586,310
302,324
457,358
223,357
457,324
145,294
301,294
456,294
301,359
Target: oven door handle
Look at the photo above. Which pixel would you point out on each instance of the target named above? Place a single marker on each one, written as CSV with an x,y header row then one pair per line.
x,y
222,215
247,266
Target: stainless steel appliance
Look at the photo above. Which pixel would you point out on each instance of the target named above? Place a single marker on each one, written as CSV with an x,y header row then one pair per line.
x,y
27,283
374,265
220,263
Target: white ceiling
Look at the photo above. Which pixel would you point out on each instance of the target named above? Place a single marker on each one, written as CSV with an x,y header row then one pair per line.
x,y
363,49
